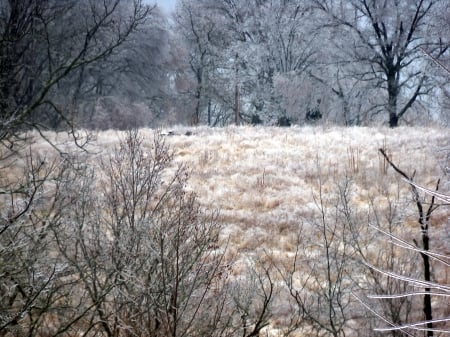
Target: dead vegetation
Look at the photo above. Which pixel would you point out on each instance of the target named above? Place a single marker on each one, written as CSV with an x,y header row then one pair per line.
x,y
288,201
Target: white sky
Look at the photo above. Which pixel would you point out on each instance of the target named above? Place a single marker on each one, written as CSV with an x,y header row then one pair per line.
x,y
166,5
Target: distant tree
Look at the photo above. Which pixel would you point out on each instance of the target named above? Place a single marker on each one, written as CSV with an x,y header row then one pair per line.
x,y
275,47
44,42
131,88
241,52
387,39
439,60
204,36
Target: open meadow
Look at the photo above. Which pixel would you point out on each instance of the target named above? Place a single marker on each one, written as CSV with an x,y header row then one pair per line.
x,y
263,180
302,209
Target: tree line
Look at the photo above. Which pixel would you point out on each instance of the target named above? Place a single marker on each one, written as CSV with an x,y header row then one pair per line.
x,y
120,64
355,62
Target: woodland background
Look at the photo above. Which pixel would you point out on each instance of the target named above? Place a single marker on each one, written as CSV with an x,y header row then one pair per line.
x,y
222,62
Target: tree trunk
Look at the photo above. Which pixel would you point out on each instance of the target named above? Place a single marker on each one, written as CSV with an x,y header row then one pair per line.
x,y
393,91
236,94
427,309
236,106
209,112
198,97
393,120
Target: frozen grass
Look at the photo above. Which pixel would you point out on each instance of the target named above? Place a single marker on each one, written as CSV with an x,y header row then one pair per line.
x,y
262,179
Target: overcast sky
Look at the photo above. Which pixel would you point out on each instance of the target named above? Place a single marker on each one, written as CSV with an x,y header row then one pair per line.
x,y
166,5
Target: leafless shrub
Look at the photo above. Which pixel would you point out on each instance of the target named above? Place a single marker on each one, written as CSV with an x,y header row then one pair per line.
x,y
319,277
413,285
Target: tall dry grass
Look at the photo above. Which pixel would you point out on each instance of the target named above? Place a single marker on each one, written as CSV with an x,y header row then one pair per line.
x,y
262,179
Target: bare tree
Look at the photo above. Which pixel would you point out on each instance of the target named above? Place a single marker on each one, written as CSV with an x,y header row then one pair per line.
x,y
237,52
319,279
119,247
252,297
424,250
389,37
143,251
131,88
329,273
41,45
36,286
215,66
371,248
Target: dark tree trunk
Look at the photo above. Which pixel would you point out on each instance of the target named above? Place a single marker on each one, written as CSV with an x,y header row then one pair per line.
x,y
236,106
424,221
209,112
393,120
393,91
198,97
236,94
427,309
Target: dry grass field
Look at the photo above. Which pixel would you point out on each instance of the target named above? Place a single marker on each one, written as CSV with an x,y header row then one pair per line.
x,y
266,182
262,180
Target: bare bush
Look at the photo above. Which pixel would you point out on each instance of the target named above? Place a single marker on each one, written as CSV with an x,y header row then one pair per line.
x,y
140,245
413,285
328,274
